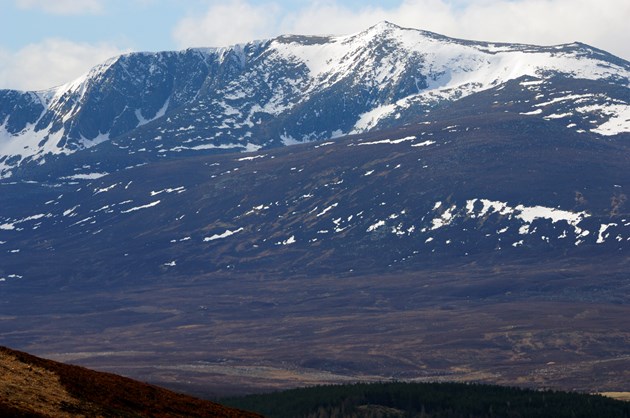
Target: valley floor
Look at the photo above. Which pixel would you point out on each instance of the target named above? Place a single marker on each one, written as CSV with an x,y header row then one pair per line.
x,y
212,336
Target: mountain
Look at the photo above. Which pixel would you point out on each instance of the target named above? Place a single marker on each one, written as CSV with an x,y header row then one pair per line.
x,y
150,106
490,247
482,235
36,387
495,184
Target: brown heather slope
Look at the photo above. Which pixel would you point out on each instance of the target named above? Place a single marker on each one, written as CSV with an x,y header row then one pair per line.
x,y
34,387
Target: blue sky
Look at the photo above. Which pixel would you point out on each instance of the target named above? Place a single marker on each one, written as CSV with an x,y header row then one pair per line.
x,y
44,43
136,24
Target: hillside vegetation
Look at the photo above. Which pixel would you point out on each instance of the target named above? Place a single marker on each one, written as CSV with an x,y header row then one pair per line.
x,y
429,400
35,387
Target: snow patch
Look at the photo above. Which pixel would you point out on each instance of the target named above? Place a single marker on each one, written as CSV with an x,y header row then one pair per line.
x,y
225,234
389,141
601,238
529,214
531,83
104,189
251,158
370,119
558,116
445,218
329,208
92,142
161,112
85,176
423,144
180,189
533,112
148,205
70,212
619,121
375,226
324,144
289,241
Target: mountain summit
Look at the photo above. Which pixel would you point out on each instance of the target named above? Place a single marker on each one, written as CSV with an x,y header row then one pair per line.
x,y
291,89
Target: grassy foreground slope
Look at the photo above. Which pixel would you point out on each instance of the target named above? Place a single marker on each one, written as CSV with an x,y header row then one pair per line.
x,y
34,387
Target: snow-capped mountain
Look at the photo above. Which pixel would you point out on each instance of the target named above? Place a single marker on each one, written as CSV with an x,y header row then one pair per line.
x,y
462,213
291,89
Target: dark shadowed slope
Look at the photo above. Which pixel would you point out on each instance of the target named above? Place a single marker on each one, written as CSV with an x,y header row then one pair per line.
x,y
35,387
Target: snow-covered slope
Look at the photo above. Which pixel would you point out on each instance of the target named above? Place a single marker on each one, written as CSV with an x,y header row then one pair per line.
x,y
407,69
283,91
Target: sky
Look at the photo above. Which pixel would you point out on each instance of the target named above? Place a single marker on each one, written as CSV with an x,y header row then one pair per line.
x,y
45,43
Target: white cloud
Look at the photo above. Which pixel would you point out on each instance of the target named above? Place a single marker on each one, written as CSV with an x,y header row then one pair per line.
x,y
600,23
50,63
227,23
63,7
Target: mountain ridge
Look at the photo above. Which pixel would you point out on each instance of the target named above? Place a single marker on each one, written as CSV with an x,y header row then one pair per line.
x,y
274,92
